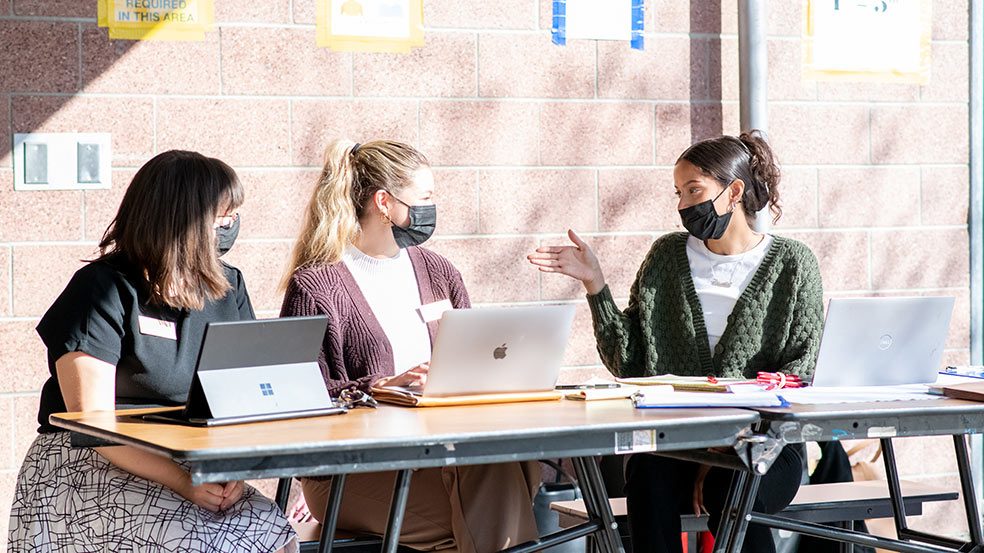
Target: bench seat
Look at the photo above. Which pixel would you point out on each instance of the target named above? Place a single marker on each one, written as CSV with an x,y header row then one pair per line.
x,y
822,503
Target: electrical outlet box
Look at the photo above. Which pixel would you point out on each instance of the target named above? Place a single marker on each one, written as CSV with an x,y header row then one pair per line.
x,y
62,161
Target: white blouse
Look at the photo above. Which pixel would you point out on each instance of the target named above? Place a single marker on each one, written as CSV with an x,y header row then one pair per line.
x,y
390,288
720,280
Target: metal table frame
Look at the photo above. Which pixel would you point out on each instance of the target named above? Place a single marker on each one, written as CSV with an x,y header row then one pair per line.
x,y
883,420
666,431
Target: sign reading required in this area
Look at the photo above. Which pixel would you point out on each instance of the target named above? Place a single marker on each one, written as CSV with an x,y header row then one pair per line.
x,y
867,40
185,20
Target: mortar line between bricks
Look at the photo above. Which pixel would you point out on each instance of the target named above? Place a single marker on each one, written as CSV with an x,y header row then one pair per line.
x,y
429,29
552,234
81,81
221,84
478,67
10,279
510,99
577,167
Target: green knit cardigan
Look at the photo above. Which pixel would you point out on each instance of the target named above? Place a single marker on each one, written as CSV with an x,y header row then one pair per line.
x,y
775,324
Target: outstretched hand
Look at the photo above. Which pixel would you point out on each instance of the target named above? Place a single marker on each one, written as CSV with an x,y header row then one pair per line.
x,y
577,261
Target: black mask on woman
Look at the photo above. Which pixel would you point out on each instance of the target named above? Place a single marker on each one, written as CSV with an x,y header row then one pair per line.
x,y
423,221
226,236
702,220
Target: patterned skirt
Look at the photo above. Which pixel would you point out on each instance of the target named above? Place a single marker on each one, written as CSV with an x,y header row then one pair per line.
x,y
72,500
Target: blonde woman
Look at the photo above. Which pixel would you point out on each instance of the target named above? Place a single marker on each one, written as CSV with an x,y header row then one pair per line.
x,y
359,261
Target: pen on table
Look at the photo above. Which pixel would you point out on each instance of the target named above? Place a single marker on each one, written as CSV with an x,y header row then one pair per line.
x,y
587,386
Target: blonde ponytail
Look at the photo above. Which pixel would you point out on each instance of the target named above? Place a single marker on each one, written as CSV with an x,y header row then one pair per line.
x,y
331,222
345,187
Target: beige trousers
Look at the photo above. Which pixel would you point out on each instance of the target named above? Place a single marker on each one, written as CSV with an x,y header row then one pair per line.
x,y
469,509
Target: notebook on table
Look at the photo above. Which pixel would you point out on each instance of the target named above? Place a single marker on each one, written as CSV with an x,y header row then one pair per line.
x,y
253,371
494,355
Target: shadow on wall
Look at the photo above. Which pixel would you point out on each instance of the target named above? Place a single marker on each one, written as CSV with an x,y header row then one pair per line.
x,y
50,55
706,119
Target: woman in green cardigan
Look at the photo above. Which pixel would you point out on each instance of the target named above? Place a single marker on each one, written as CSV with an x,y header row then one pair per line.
x,y
719,300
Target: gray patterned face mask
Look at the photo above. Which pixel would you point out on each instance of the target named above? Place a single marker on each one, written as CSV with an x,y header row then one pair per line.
x,y
226,236
423,221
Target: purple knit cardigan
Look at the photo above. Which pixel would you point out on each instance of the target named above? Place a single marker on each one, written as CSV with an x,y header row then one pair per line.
x,y
355,351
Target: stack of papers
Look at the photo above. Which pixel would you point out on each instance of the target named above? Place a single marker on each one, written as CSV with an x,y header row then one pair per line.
x,y
647,398
687,383
856,394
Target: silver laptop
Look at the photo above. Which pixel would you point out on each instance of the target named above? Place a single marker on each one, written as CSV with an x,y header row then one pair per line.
x,y
497,350
251,371
883,341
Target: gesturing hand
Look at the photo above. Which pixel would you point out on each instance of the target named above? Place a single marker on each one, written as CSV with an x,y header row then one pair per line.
x,y
577,261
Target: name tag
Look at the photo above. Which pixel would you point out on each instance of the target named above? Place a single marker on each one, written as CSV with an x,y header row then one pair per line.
x,y
433,311
156,327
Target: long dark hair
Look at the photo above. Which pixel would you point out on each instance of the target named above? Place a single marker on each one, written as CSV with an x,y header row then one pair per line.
x,y
747,157
164,227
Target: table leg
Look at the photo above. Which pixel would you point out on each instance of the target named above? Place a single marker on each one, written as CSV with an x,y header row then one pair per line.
x,y
596,503
967,490
745,504
397,509
734,520
331,513
727,524
894,488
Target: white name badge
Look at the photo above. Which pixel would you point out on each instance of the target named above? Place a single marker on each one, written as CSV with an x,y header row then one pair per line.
x,y
433,311
156,327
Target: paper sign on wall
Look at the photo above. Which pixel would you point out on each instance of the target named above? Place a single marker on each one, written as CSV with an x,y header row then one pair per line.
x,y
867,40
598,20
370,25
185,20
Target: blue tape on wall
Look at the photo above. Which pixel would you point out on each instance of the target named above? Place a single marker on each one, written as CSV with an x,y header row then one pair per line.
x,y
638,24
559,28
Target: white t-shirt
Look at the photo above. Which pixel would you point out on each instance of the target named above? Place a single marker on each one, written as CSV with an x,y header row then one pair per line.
x,y
720,280
390,288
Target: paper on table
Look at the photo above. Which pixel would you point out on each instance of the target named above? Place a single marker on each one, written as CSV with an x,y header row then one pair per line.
x,y
685,383
599,19
592,394
657,398
812,395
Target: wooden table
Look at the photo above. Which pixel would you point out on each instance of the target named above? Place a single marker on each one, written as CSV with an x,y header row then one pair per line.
x,y
883,420
398,438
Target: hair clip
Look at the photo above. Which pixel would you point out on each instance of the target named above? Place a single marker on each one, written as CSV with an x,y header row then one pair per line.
x,y
354,149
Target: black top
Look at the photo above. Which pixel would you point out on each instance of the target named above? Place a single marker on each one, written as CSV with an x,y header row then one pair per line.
x,y
104,312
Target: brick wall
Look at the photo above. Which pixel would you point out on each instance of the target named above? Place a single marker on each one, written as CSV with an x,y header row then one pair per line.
x,y
527,139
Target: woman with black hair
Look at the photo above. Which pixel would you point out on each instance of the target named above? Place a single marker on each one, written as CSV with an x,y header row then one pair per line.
x,y
719,300
125,333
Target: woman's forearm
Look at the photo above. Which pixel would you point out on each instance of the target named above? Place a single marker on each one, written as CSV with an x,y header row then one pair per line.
x,y
148,465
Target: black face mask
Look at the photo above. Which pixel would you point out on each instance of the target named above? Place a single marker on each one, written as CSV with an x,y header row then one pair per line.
x,y
423,220
226,236
702,220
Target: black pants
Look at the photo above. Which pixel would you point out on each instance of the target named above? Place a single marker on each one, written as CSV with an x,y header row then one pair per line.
x,y
659,489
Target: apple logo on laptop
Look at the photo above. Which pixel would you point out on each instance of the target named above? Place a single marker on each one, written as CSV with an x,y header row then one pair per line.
x,y
499,352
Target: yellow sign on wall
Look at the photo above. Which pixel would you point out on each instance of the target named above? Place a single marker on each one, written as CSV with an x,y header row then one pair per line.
x,y
867,40
185,20
370,25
